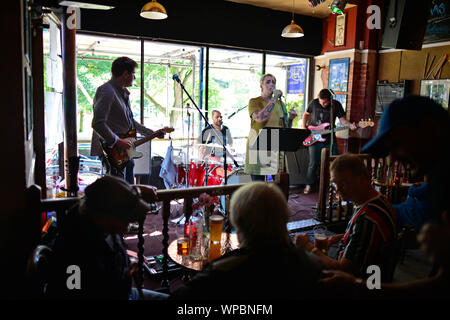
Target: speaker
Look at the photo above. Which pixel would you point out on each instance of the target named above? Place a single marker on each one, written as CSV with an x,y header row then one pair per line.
x,y
405,23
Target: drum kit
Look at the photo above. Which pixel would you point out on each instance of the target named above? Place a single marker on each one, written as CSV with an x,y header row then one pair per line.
x,y
207,170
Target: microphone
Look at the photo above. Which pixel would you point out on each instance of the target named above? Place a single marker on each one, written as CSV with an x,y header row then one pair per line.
x,y
332,92
176,78
276,93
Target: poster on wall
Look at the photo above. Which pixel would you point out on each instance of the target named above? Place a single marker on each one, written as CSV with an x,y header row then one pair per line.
x,y
338,76
438,23
296,78
342,98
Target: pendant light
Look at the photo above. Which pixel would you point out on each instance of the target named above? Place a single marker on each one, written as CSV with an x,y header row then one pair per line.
x,y
153,10
292,30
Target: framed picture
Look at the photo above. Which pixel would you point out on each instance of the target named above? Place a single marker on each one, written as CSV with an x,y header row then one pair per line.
x,y
342,98
339,37
438,90
338,76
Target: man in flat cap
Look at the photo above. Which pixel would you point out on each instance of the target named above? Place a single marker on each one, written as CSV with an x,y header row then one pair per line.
x,y
90,245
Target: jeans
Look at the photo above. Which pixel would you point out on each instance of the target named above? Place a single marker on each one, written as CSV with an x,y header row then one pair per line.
x,y
314,159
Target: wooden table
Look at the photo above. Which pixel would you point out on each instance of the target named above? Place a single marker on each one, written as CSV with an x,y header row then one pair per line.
x,y
187,262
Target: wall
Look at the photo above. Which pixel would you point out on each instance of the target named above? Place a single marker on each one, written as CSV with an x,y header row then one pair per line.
x,y
399,65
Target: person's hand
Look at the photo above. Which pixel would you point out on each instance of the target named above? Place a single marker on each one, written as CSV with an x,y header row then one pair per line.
x,y
337,278
124,144
148,193
303,241
277,93
352,126
333,239
292,114
160,134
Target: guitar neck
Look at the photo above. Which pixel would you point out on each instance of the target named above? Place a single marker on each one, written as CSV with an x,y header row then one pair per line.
x,y
146,138
329,131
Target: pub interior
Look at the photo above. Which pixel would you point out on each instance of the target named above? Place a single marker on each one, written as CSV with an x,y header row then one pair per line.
x,y
196,62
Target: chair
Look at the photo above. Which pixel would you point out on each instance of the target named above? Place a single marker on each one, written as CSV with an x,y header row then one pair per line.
x,y
38,271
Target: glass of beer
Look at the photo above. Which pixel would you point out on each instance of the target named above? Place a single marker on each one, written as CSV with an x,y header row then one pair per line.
x,y
320,238
215,228
183,246
214,251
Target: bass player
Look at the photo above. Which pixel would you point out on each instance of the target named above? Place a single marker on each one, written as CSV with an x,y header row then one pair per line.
x,y
318,112
113,118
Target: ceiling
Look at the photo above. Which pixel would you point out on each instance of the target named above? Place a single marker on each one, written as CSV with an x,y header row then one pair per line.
x,y
301,7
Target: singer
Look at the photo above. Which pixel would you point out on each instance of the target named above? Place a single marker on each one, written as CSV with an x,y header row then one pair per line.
x,y
318,112
265,111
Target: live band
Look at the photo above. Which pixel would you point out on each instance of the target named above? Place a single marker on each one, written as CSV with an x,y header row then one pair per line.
x,y
115,132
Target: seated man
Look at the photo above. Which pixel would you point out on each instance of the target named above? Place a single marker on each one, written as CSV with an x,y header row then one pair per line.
x,y
90,258
371,232
267,264
211,136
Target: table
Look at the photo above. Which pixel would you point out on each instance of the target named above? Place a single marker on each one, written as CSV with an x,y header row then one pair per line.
x,y
186,261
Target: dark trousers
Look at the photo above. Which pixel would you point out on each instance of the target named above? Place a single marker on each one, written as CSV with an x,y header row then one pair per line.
x,y
314,159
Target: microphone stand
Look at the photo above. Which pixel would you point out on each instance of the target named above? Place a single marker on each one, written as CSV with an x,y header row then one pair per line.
x,y
331,121
238,110
218,135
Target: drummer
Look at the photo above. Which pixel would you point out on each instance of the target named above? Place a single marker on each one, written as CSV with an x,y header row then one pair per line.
x,y
210,136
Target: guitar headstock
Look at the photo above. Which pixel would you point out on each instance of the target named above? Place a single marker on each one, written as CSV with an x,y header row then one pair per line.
x,y
168,129
366,123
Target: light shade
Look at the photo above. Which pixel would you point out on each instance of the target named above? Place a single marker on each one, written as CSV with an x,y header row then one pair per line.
x,y
292,31
338,6
153,10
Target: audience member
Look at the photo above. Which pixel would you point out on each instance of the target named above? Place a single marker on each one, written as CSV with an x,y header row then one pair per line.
x,y
267,265
370,236
416,129
90,258
414,210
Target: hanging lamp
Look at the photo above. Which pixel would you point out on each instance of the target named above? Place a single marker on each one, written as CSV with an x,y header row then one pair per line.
x,y
292,30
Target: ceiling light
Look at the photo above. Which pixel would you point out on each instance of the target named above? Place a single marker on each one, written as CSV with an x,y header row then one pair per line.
x,y
84,5
292,30
153,10
338,6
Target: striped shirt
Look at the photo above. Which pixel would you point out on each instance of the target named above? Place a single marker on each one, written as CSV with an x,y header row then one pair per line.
x,y
370,238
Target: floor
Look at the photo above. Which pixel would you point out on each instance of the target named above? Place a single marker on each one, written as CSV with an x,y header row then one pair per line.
x,y
415,264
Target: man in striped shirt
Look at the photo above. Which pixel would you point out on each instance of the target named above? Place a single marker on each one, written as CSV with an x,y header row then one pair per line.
x,y
371,232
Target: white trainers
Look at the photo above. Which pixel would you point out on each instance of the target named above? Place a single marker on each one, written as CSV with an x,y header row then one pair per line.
x,y
307,189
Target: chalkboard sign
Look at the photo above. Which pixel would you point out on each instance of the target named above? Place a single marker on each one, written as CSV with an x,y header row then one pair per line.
x,y
438,24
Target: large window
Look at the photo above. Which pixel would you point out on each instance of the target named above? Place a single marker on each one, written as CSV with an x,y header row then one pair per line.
x,y
291,74
233,78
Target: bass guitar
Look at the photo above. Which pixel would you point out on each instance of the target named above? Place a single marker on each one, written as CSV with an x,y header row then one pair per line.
x,y
119,157
318,131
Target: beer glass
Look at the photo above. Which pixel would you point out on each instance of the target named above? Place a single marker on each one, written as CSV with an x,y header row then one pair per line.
x,y
320,238
215,228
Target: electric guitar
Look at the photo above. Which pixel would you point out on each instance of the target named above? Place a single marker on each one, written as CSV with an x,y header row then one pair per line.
x,y
119,157
317,131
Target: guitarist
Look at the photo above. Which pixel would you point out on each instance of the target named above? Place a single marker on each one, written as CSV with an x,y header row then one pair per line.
x,y
318,112
113,117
